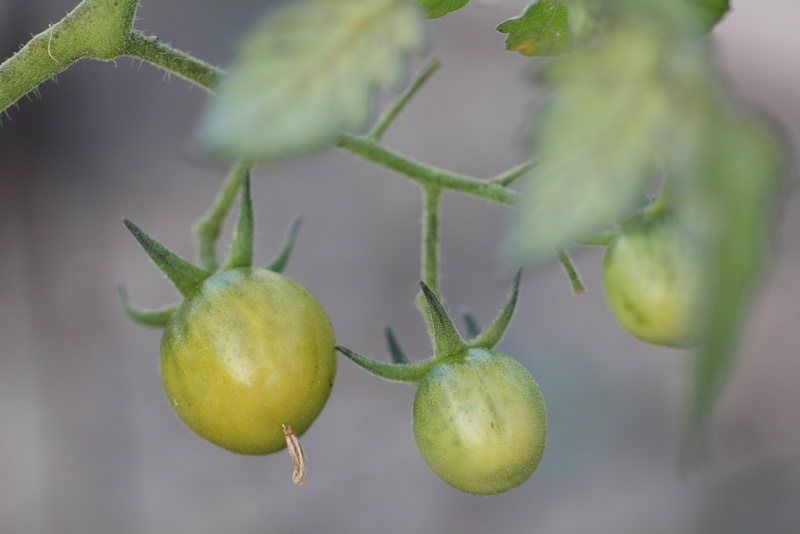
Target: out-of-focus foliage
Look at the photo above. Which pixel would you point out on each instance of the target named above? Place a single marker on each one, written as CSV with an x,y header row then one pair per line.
x,y
309,72
433,9
641,100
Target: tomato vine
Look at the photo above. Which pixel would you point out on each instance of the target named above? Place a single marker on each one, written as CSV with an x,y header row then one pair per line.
x,y
634,102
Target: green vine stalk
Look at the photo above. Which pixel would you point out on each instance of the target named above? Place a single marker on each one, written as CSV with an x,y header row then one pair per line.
x,y
103,30
730,188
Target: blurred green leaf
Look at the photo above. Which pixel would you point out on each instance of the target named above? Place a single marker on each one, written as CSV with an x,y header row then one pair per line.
x,y
645,96
541,30
728,201
434,9
682,13
307,73
612,109
708,12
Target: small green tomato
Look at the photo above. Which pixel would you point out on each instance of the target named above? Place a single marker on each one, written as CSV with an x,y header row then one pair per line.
x,y
250,351
653,279
479,421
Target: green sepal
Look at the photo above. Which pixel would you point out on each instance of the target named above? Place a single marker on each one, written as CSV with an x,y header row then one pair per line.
x,y
282,258
186,276
708,12
241,252
208,228
472,324
156,318
397,354
408,372
446,339
494,333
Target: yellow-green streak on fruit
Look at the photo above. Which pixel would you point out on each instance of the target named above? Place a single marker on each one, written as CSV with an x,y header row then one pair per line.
x,y
652,276
480,422
251,351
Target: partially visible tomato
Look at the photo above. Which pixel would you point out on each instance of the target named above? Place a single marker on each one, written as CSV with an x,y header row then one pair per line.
x,y
480,422
653,278
250,351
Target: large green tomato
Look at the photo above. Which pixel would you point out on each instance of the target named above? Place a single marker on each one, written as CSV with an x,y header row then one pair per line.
x,y
252,350
653,279
479,421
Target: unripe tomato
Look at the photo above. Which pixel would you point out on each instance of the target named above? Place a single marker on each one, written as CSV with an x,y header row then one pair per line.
x,y
479,421
653,279
251,351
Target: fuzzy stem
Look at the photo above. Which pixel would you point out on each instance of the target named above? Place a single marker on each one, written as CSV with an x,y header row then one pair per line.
x,y
241,252
96,29
173,60
430,237
426,175
208,227
572,272
394,110
510,176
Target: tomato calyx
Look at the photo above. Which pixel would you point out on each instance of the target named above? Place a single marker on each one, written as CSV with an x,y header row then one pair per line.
x,y
184,275
188,277
247,359
445,338
478,417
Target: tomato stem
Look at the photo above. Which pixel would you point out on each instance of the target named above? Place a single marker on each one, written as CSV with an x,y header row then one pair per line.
x,y
424,174
175,61
208,227
241,253
572,272
510,176
391,113
101,30
95,29
430,236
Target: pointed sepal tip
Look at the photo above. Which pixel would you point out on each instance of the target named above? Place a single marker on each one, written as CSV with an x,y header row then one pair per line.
x,y
446,339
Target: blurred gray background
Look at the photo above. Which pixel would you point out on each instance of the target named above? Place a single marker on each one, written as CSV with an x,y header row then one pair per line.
x,y
89,445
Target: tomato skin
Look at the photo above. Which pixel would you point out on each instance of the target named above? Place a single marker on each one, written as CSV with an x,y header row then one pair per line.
x,y
480,422
250,351
653,277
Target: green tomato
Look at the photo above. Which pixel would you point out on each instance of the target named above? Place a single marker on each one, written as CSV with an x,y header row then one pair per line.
x,y
252,350
479,421
653,279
